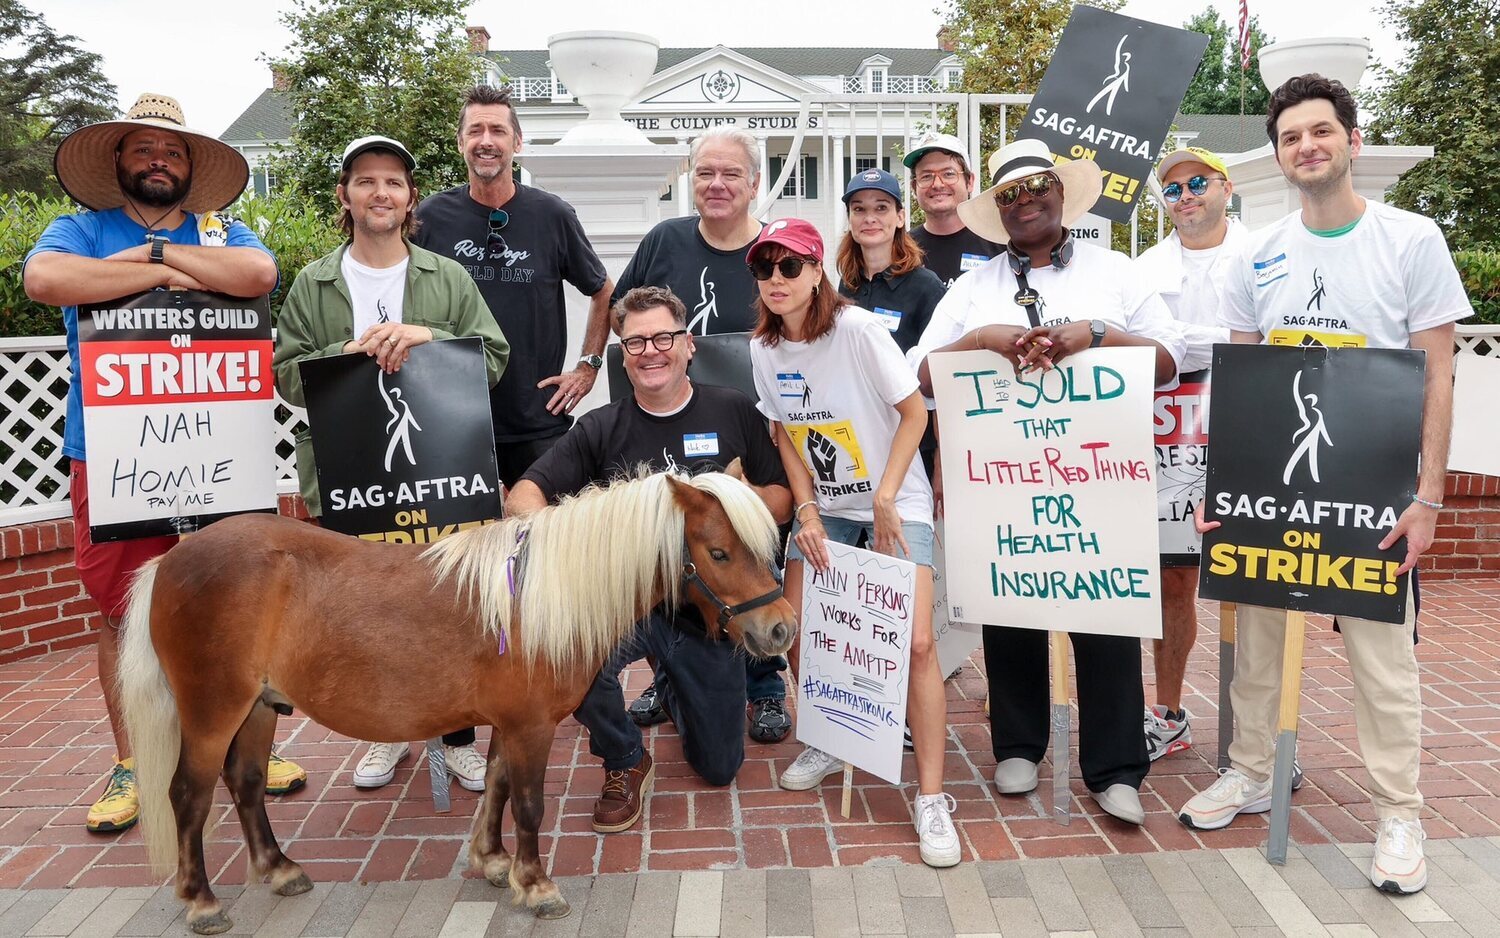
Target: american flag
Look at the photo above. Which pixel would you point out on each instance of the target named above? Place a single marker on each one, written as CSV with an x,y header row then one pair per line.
x,y
1244,35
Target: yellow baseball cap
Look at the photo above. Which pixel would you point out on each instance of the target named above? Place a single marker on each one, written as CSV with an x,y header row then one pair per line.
x,y
1190,155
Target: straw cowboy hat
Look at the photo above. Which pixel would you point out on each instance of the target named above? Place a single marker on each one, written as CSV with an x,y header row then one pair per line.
x,y
1081,181
85,162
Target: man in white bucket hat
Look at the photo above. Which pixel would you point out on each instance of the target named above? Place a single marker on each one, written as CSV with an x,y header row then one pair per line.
x,y
1041,300
155,189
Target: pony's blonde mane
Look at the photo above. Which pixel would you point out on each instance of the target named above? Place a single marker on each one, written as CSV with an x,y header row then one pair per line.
x,y
588,566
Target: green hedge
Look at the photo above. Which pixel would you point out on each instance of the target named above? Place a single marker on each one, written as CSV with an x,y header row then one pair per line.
x,y
292,229
1480,271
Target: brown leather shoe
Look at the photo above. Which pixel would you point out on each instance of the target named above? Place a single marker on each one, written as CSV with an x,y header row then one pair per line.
x,y
624,797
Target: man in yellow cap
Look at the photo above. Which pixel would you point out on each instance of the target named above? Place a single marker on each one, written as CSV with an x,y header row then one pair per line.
x,y
155,189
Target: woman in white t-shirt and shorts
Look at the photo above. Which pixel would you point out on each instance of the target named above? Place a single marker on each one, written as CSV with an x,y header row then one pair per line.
x,y
845,408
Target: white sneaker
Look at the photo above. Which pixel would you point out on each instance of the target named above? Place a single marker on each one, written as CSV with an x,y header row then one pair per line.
x,y
378,766
939,838
809,769
1233,794
1398,865
467,765
1165,735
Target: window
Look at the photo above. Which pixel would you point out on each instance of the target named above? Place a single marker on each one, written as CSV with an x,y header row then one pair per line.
x,y
862,163
953,78
803,182
877,80
262,181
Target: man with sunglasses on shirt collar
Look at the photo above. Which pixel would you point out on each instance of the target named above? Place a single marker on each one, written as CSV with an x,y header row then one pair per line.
x,y
520,244
1042,300
1187,267
668,422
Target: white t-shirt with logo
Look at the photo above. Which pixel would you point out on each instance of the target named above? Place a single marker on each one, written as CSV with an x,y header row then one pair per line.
x,y
1097,284
836,397
376,293
1374,286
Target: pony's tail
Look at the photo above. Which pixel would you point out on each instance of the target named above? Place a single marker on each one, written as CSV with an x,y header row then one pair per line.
x,y
151,719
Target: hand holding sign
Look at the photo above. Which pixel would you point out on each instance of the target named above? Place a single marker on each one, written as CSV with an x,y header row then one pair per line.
x,y
390,343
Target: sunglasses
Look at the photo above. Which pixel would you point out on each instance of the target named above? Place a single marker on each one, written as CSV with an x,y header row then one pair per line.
x,y
1198,185
636,344
499,218
1038,186
790,267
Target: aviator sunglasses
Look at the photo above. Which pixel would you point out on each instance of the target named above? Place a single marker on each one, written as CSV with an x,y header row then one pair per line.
x,y
1037,186
789,266
499,218
1198,185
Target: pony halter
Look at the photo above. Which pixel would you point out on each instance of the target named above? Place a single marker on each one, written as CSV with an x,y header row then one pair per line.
x,y
727,612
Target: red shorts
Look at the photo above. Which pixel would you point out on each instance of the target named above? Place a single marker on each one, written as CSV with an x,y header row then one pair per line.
x,y
106,569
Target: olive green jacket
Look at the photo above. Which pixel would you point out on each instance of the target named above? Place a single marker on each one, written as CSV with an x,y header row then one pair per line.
x,y
317,319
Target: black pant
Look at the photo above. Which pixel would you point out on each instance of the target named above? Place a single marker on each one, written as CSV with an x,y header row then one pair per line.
x,y
1111,734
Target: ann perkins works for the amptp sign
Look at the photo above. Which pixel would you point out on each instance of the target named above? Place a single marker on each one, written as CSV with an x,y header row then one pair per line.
x,y
1109,95
406,457
178,411
1312,459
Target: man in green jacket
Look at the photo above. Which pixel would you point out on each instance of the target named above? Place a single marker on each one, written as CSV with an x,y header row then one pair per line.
x,y
379,295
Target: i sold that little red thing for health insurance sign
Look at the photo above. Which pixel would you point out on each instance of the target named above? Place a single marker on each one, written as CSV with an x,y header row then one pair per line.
x,y
178,411
1049,486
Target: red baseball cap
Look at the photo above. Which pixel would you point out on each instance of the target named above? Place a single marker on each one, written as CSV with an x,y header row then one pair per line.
x,y
794,234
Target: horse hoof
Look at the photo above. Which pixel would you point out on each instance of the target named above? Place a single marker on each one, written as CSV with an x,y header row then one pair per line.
x,y
295,886
215,924
555,907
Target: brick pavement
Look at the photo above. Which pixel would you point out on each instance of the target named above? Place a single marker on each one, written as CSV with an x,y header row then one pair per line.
x,y
55,747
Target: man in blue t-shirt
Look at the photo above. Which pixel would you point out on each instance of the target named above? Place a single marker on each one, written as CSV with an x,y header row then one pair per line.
x,y
154,189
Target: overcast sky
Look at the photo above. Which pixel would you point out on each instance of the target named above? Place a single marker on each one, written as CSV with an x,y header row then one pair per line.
x,y
208,54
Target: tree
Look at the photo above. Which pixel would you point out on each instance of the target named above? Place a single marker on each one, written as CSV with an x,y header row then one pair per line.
x,y
49,87
359,67
1215,88
1443,96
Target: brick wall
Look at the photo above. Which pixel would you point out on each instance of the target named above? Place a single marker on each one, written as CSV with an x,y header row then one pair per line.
x,y
42,603
1468,532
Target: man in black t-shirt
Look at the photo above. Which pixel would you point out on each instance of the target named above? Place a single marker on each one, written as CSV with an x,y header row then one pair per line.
x,y
667,423
941,180
520,244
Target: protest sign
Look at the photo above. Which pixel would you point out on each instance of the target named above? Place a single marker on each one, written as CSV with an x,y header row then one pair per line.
x,y
178,411
955,640
1053,476
1109,95
856,657
1181,420
1476,388
406,457
1306,481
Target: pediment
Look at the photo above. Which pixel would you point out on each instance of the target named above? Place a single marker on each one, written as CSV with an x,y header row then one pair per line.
x,y
720,77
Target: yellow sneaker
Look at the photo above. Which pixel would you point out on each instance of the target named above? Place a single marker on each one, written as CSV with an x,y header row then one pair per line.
x,y
283,776
119,807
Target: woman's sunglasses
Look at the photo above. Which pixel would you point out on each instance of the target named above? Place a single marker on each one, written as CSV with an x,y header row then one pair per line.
x,y
1038,186
1198,185
791,267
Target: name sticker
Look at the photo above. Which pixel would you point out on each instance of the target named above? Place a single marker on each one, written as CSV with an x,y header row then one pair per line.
x,y
891,317
790,384
971,261
1269,271
700,444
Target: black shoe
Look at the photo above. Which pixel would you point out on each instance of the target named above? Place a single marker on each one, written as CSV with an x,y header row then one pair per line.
x,y
906,742
769,722
647,710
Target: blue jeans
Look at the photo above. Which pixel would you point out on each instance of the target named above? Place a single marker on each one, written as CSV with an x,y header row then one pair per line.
x,y
843,531
701,685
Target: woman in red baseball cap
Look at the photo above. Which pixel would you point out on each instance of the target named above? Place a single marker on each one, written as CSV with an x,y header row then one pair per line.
x,y
848,417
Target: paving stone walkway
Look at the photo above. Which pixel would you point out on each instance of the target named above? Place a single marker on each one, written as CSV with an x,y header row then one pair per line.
x,y
1322,891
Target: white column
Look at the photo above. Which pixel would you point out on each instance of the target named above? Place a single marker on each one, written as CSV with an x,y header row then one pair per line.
x,y
764,186
836,175
684,187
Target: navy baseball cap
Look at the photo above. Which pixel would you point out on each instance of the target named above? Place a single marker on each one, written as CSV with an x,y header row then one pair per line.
x,y
873,179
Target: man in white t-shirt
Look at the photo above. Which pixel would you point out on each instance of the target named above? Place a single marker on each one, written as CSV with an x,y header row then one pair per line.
x,y
1042,299
1186,268
1344,273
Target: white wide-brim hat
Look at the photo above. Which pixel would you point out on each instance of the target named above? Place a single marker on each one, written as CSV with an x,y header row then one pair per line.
x,y
1081,182
85,161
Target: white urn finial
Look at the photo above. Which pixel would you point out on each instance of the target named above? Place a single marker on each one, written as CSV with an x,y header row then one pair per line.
x,y
1340,57
605,70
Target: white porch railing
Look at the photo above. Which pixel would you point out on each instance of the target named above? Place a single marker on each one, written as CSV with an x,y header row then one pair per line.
x,y
897,84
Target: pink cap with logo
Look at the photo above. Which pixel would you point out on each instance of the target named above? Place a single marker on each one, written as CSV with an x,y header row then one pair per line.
x,y
794,234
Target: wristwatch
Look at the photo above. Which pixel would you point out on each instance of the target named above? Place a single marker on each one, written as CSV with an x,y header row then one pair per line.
x,y
595,362
1098,328
157,245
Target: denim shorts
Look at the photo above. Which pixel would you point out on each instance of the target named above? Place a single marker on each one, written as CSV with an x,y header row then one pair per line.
x,y
842,530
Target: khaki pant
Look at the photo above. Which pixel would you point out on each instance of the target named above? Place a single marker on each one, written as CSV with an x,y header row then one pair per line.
x,y
1387,701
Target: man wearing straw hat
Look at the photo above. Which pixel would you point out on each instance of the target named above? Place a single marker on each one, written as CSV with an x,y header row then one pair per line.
x,y
1042,299
155,189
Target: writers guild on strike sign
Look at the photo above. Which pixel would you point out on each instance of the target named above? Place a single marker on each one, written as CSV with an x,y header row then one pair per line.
x,y
178,411
406,457
1305,483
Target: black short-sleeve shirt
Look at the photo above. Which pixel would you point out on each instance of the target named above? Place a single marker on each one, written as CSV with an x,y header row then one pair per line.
x,y
903,303
714,285
950,256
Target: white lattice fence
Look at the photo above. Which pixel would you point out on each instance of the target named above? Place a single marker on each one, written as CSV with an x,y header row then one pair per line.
x,y
33,401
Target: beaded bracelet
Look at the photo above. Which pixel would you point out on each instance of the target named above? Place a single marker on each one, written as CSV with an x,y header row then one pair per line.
x,y
797,512
1435,506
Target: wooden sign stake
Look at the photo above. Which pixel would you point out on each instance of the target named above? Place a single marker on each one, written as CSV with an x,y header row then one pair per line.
x,y
848,788
1286,739
1061,795
1227,614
